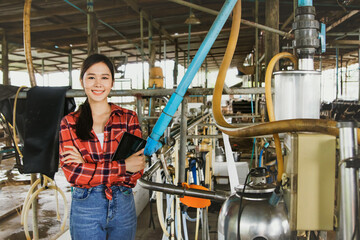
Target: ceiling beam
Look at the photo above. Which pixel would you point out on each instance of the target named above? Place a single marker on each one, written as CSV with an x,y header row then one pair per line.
x,y
341,20
63,11
147,17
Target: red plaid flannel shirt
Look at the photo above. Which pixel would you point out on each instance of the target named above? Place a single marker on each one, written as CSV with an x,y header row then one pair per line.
x,y
98,168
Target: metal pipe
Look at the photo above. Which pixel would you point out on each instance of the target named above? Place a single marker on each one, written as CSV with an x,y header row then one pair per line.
x,y
191,124
342,34
349,182
180,191
139,108
183,141
43,70
288,20
204,136
176,63
151,170
92,37
164,63
70,68
5,58
142,48
346,42
256,55
337,73
165,168
35,207
162,92
243,21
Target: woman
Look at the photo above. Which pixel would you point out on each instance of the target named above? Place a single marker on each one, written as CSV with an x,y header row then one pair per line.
x,y
102,201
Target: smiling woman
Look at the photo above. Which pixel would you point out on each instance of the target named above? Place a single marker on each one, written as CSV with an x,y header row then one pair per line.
x,y
97,82
102,201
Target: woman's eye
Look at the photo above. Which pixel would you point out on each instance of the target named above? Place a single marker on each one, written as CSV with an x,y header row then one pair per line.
x,y
105,78
91,77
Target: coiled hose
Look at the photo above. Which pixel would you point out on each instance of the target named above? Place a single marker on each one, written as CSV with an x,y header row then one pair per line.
x,y
31,196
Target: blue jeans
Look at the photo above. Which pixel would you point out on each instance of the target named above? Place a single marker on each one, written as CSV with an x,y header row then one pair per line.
x,y
94,217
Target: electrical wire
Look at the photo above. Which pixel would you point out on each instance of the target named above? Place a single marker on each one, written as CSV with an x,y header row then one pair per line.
x,y
240,205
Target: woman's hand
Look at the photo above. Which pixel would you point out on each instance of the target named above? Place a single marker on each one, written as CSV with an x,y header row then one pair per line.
x,y
135,162
73,155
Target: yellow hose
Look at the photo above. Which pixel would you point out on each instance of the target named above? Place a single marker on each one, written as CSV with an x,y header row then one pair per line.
x,y
30,198
270,108
268,76
219,85
27,207
27,42
14,121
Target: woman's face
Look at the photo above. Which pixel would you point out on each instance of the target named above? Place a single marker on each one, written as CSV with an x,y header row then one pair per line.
x,y
97,82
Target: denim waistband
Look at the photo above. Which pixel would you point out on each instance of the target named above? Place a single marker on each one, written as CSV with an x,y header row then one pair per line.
x,y
101,188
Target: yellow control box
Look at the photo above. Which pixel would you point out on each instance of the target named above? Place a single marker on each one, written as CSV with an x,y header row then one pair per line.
x,y
310,163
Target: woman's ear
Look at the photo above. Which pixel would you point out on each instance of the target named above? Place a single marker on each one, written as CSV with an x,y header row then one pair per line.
x,y
82,83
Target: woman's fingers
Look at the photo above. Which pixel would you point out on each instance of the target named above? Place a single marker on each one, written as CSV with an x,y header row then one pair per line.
x,y
73,148
73,161
141,152
71,152
72,155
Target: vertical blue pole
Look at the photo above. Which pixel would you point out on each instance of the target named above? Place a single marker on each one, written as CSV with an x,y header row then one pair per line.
x,y
176,98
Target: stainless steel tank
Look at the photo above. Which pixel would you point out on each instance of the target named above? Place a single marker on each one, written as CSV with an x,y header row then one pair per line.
x,y
297,94
258,220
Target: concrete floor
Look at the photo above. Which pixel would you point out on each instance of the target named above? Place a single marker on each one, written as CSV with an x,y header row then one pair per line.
x,y
149,233
12,195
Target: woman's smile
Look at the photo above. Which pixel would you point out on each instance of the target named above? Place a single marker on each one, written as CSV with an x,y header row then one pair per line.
x,y
97,92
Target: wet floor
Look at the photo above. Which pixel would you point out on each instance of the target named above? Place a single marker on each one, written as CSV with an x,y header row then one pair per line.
x,y
12,195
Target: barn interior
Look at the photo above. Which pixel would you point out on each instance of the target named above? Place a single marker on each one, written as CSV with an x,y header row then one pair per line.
x,y
250,109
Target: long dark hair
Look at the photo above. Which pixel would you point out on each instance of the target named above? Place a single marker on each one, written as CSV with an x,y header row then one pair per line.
x,y
84,123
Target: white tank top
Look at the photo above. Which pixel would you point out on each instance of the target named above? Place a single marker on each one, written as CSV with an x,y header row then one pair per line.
x,y
100,136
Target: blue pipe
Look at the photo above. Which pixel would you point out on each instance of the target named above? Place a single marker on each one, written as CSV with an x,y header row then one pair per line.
x,y
260,157
254,141
305,3
153,143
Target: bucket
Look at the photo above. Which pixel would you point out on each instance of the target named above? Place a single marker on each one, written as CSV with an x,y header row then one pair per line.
x,y
156,77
